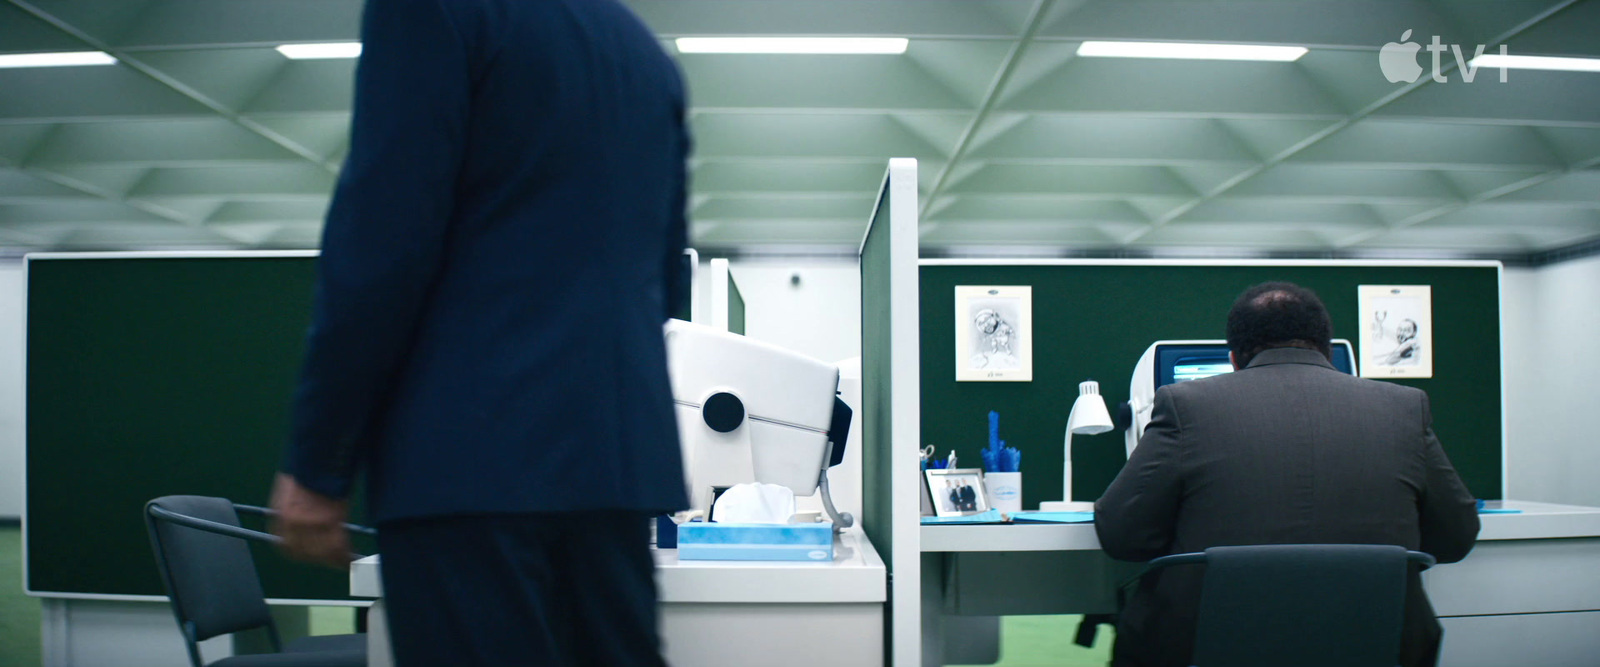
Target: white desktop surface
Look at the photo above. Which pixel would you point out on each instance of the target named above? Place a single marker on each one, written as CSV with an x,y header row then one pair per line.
x,y
1535,521
717,613
1529,582
856,574
1010,537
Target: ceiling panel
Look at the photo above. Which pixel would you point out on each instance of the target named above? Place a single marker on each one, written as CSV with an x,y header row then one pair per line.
x,y
1577,188
17,187
23,32
1116,140
1563,99
1230,235
1166,87
283,180
164,142
183,23
1303,22
1073,180
997,237
208,137
87,93
1334,184
993,19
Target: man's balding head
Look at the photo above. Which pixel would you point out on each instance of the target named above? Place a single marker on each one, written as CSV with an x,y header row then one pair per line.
x,y
1277,314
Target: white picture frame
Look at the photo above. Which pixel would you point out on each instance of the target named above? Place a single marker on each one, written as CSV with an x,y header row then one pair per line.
x,y
1396,331
994,333
957,491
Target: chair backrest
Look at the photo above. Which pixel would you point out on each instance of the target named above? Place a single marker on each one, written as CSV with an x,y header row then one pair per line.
x,y
211,578
1308,605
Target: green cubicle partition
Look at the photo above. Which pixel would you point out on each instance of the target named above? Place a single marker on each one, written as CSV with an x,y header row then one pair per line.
x,y
735,307
149,376
1092,320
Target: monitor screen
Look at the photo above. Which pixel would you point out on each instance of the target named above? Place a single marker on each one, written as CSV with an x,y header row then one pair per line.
x,y
1182,362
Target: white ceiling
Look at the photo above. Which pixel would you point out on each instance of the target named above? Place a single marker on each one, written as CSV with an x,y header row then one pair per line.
x,y
204,136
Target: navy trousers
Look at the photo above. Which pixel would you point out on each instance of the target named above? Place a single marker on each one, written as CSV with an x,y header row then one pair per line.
x,y
549,589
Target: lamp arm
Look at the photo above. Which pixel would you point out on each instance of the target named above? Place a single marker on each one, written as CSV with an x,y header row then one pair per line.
x,y
1066,468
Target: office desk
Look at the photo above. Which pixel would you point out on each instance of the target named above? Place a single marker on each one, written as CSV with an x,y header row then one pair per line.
x,y
972,575
720,613
1529,593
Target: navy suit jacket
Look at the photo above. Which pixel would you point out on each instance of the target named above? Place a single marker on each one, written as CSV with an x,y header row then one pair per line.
x,y
1286,451
499,258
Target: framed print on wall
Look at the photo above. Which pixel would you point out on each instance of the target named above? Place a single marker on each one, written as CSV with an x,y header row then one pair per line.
x,y
994,333
1396,331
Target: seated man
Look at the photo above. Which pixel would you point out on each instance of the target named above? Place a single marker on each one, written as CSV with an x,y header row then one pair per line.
x,y
1287,450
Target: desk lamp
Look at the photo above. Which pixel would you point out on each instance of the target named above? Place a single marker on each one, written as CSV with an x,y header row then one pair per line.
x,y
1088,417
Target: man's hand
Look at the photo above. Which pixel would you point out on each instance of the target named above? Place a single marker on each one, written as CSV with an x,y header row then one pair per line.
x,y
311,524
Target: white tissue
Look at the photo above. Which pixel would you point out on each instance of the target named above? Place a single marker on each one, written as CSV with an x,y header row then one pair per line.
x,y
754,503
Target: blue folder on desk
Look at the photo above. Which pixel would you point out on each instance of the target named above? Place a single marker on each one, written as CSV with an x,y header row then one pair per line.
x,y
1052,517
991,516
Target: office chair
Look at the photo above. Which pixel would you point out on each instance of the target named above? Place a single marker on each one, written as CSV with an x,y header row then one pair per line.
x,y
1307,605
211,577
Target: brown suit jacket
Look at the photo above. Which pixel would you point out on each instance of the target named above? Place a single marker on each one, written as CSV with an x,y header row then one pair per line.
x,y
1286,451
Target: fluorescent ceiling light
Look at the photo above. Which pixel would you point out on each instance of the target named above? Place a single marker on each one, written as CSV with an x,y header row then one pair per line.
x,y
1537,62
67,59
886,45
321,51
1191,51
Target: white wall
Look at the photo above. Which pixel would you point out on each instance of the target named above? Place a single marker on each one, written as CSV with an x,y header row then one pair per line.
x,y
1552,358
11,387
819,316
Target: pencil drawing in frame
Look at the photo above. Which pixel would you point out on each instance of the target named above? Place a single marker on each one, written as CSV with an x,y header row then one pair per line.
x,y
1396,331
994,333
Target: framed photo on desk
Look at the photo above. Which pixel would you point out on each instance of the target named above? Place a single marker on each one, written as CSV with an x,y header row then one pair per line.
x,y
957,491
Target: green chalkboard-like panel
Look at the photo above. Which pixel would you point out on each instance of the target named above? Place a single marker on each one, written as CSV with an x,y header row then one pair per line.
x,y
1093,322
156,376
877,385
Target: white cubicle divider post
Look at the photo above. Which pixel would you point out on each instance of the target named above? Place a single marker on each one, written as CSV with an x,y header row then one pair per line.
x,y
891,405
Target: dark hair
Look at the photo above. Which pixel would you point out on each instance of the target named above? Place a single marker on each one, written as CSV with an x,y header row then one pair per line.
x,y
1278,314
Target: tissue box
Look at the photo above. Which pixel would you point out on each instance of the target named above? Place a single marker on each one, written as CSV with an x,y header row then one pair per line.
x,y
755,541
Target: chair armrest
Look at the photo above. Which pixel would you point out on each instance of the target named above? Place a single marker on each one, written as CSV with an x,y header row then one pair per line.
x,y
262,511
164,514
1420,558
1175,559
211,526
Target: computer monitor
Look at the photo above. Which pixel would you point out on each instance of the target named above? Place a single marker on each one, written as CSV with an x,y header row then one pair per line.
x,y
1184,361
1168,361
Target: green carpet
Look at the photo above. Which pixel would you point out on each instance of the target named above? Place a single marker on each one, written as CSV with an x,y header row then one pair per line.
x,y
1046,641
19,614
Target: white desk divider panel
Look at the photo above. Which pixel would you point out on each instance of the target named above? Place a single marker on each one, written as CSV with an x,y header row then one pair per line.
x,y
891,408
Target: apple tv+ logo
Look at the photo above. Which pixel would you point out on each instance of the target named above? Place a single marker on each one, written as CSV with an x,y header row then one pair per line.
x,y
1398,60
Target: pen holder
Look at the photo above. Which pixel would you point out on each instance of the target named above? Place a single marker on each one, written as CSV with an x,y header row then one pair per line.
x,y
1005,490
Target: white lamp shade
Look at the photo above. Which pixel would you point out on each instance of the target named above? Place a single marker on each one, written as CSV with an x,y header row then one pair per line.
x,y
1089,415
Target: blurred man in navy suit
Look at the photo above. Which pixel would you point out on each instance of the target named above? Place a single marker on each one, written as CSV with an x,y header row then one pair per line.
x,y
486,346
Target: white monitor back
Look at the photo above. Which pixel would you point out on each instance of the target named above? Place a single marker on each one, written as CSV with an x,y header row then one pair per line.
x,y
787,399
1142,388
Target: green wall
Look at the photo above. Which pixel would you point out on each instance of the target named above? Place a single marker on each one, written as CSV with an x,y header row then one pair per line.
x,y
148,377
1094,321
